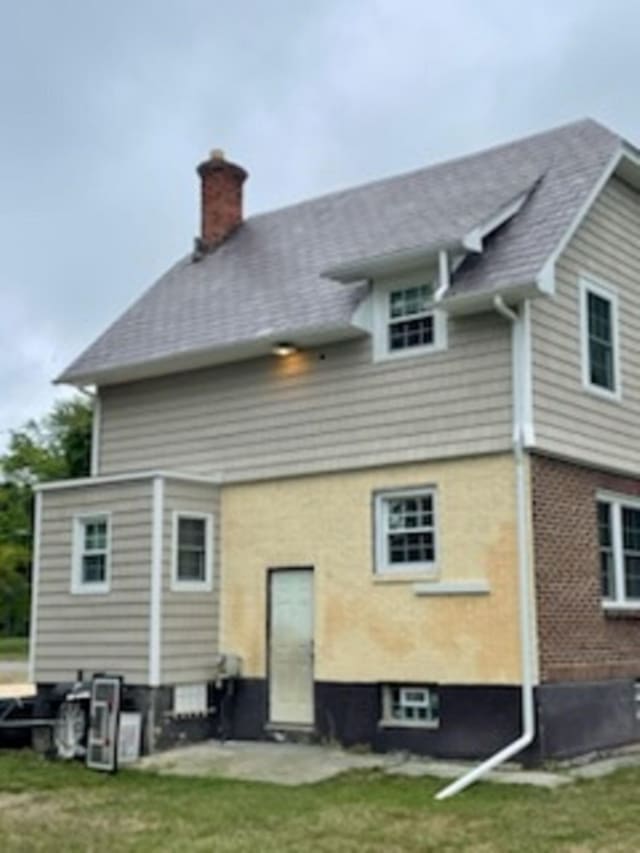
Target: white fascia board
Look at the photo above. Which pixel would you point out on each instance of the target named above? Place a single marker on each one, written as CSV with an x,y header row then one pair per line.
x,y
211,356
393,263
134,476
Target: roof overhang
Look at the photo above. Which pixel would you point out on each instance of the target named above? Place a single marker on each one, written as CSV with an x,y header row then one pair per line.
x,y
210,356
474,302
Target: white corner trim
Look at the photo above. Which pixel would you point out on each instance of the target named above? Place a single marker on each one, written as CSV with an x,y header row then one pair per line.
x,y
95,434
206,585
155,596
78,587
471,587
590,284
526,378
35,584
546,277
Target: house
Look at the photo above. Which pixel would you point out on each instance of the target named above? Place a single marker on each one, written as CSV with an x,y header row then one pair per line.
x,y
377,455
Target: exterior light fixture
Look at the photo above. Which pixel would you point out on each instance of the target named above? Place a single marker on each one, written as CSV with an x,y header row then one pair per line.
x,y
283,348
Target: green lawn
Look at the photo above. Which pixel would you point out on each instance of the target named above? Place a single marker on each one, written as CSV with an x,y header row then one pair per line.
x,y
14,648
63,807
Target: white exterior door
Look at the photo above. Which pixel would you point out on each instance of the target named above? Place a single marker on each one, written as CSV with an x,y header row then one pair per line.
x,y
291,647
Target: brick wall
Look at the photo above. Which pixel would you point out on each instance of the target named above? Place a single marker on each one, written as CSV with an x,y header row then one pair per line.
x,y
577,639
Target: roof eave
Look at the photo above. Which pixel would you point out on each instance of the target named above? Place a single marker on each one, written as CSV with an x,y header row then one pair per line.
x,y
474,302
209,356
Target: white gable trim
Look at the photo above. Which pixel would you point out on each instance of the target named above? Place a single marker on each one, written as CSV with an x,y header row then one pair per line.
x,y
546,277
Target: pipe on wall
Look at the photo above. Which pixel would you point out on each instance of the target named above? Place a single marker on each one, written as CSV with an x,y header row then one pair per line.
x,y
525,584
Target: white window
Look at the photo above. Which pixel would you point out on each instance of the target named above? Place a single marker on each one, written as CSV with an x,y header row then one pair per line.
x,y
619,544
192,551
600,359
405,531
190,699
406,321
91,562
411,706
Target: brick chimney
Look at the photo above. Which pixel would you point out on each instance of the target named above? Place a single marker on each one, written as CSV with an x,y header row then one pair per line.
x,y
221,200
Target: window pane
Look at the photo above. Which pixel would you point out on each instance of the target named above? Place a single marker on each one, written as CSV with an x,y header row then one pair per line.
x,y
191,549
606,550
409,301
600,342
631,529
95,535
191,532
191,565
94,568
631,545
411,333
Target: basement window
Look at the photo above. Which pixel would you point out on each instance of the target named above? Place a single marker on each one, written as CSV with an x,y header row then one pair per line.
x,y
600,363
91,561
619,546
192,551
190,700
417,706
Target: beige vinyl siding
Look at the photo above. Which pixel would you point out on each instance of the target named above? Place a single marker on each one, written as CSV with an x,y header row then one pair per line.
x,y
99,632
569,420
323,409
189,619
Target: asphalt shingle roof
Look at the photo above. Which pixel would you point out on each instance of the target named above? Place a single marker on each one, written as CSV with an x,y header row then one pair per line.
x,y
266,279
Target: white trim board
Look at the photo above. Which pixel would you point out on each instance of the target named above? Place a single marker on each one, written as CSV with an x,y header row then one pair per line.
x,y
124,478
470,587
206,585
35,585
155,585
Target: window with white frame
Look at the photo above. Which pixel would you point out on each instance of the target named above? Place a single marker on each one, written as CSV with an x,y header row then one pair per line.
x,y
192,551
619,543
407,322
91,554
405,531
600,370
411,706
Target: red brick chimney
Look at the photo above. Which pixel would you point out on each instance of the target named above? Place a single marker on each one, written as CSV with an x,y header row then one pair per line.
x,y
221,199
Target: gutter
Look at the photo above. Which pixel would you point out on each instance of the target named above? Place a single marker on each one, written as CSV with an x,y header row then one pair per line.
x,y
525,584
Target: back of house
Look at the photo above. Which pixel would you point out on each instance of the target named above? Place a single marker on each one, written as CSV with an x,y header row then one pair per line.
x,y
367,468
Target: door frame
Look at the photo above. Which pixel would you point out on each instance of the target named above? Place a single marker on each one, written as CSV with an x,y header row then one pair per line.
x,y
271,571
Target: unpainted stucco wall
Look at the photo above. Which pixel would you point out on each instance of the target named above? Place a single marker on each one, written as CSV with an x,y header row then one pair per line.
x,y
367,628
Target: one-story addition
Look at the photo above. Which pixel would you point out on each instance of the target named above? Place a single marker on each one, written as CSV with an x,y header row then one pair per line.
x,y
367,468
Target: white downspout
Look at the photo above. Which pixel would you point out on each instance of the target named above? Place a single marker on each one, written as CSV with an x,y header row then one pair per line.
x,y
525,585
444,275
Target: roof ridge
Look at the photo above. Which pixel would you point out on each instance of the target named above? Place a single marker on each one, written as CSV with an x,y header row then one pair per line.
x,y
492,149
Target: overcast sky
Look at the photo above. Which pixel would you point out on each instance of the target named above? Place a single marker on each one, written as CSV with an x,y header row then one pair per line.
x,y
108,107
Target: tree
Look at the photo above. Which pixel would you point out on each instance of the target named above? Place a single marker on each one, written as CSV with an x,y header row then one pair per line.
x,y
56,447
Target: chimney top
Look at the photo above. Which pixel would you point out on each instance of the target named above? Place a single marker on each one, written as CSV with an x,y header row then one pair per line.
x,y
221,200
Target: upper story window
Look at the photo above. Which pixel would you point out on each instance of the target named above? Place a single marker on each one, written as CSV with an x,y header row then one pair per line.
x,y
91,568
619,542
192,551
406,531
600,364
406,320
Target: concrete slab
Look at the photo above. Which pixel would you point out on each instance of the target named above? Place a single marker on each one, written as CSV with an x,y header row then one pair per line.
x,y
299,764
17,691
280,763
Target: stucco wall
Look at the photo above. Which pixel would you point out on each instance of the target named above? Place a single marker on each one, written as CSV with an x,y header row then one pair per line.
x,y
367,628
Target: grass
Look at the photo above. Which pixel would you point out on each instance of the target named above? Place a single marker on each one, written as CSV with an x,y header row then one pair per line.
x,y
54,806
14,648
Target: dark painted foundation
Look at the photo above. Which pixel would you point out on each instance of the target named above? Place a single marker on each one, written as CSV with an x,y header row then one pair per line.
x,y
475,720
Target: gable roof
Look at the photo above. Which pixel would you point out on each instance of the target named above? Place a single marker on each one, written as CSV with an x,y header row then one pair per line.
x,y
268,280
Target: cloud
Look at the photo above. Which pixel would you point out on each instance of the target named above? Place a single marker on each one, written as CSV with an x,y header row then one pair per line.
x,y
107,108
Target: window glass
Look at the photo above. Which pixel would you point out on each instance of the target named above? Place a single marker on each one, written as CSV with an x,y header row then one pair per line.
x,y
600,329
410,323
631,545
606,550
408,531
93,559
191,557
413,704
